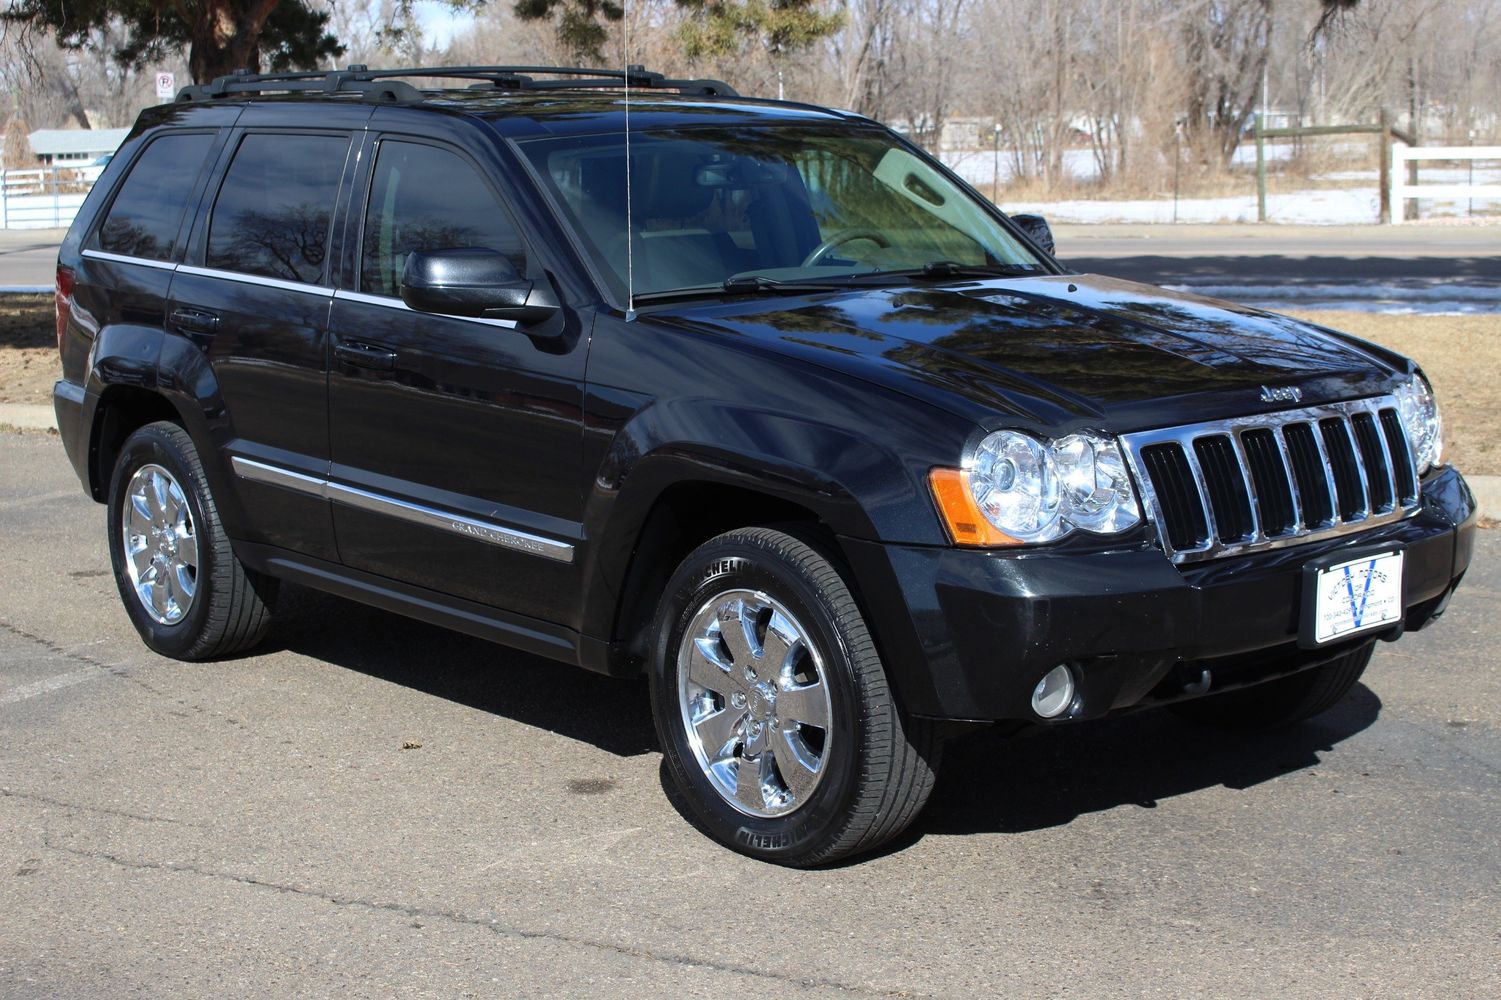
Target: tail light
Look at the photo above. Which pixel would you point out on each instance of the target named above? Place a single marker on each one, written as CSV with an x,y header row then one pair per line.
x,y
63,297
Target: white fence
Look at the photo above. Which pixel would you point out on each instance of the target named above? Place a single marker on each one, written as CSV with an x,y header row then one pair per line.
x,y
1402,190
44,198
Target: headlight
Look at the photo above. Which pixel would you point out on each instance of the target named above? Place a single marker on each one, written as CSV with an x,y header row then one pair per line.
x,y
1017,489
1420,417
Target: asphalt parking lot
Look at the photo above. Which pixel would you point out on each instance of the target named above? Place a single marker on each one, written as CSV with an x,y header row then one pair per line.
x,y
370,807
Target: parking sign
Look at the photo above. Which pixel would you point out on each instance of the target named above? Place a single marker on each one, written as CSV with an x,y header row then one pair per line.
x,y
166,86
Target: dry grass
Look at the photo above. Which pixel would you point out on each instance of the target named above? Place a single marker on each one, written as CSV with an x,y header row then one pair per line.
x,y
28,349
1462,355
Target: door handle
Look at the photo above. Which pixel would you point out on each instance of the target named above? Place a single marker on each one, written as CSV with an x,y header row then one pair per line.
x,y
361,355
195,321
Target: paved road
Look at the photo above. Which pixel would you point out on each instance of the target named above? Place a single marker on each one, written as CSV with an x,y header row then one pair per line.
x,y
255,827
1259,262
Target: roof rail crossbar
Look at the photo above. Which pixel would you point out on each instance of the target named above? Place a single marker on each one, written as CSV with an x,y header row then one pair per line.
x,y
335,82
384,85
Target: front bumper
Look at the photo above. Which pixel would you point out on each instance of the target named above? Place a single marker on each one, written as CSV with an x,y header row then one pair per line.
x,y
967,634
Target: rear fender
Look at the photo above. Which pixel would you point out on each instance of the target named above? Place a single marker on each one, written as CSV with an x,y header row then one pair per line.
x,y
133,363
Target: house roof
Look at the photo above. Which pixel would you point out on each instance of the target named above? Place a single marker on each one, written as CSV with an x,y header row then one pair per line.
x,y
56,141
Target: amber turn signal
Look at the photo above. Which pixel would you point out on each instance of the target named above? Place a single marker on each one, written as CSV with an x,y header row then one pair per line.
x,y
962,517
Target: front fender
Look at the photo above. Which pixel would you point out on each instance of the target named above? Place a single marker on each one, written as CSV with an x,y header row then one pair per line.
x,y
855,485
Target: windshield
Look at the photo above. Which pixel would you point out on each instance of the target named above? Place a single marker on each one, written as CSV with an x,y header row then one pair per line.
x,y
765,205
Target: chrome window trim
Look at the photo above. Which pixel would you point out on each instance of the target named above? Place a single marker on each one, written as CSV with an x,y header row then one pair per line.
x,y
405,510
1184,436
292,286
389,302
254,279
120,258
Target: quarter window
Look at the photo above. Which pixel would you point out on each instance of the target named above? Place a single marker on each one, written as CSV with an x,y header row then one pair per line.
x,y
272,215
147,213
425,198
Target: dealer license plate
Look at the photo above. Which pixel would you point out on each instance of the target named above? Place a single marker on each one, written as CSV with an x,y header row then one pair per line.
x,y
1357,595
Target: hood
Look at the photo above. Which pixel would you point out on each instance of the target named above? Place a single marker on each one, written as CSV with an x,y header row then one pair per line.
x,y
1061,350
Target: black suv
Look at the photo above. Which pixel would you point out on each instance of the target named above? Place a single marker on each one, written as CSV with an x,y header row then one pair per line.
x,y
752,396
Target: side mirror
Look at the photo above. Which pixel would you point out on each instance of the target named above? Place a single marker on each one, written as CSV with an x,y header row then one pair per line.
x,y
474,281
1037,229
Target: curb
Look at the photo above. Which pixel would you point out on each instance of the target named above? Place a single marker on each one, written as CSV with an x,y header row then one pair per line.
x,y
28,416
1487,490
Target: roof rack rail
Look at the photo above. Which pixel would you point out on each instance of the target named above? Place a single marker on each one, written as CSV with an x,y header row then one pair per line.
x,y
386,85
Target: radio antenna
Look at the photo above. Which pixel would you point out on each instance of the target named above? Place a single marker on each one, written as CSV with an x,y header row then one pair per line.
x,y
630,230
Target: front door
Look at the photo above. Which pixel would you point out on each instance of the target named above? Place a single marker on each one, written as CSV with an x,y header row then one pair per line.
x,y
455,442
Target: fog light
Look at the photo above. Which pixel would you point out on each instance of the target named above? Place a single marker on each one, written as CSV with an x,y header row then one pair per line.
x,y
1054,693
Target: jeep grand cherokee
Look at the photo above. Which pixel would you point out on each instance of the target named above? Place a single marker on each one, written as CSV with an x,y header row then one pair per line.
x,y
753,397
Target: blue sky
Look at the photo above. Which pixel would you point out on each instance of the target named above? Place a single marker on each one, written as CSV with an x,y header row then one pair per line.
x,y
439,22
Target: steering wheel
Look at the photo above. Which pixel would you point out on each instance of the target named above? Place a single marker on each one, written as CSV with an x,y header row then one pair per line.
x,y
840,239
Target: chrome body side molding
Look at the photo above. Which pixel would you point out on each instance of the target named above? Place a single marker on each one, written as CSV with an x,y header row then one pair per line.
x,y
406,510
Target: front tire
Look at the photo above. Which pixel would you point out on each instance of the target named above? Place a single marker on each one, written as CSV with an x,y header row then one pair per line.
x,y
1283,702
185,591
772,707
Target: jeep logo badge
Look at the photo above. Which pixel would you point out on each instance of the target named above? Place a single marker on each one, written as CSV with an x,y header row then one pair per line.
x,y
1281,394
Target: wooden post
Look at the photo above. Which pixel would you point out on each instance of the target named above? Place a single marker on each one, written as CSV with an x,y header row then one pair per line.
x,y
1385,153
1260,171
1412,182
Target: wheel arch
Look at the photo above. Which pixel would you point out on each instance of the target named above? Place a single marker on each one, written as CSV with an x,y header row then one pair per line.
x,y
120,412
682,517
680,471
142,375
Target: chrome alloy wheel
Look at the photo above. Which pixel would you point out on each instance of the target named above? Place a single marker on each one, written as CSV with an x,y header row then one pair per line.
x,y
161,544
755,702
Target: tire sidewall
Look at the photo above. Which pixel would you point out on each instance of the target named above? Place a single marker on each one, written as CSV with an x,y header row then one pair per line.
x,y
155,445
728,565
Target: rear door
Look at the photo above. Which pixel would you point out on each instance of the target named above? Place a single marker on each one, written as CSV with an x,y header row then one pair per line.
x,y
255,291
455,442
124,272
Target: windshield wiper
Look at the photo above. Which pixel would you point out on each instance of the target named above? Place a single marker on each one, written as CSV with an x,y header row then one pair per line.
x,y
741,284
752,284
761,283
953,269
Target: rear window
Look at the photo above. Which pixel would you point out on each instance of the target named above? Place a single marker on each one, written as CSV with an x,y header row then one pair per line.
x,y
272,214
146,216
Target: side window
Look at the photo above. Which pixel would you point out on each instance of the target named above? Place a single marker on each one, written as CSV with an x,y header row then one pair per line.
x,y
426,198
147,212
272,214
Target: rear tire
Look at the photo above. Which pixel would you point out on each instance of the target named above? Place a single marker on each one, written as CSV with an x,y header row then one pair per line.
x,y
763,665
1283,702
184,589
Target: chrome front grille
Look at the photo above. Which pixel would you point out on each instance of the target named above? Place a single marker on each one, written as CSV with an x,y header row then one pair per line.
x,y
1275,479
